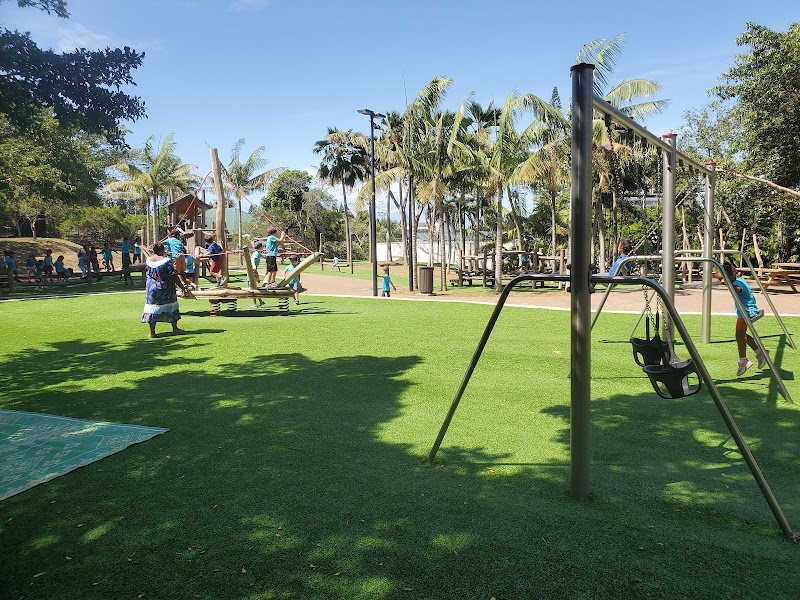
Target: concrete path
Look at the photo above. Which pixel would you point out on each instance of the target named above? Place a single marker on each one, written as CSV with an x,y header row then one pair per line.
x,y
688,299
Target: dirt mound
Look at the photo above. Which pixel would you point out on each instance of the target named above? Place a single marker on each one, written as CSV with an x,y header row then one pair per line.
x,y
24,247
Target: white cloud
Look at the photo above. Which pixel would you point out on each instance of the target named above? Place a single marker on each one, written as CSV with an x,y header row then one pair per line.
x,y
246,5
77,36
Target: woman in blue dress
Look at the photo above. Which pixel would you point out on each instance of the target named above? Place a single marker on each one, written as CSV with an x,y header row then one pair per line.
x,y
161,299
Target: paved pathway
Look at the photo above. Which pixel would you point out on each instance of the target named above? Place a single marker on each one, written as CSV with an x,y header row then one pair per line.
x,y
687,299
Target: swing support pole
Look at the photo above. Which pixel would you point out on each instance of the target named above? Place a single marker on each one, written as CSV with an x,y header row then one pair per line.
x,y
580,299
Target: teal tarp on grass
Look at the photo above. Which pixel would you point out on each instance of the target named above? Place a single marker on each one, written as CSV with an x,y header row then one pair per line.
x,y
35,447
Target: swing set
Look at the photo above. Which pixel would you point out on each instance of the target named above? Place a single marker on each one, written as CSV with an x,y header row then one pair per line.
x,y
670,377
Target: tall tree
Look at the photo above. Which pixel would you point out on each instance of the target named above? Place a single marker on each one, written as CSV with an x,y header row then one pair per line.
x,y
631,97
765,85
510,150
82,88
152,173
547,169
243,177
344,162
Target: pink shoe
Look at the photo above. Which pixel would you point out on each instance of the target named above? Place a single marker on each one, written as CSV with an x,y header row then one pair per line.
x,y
744,364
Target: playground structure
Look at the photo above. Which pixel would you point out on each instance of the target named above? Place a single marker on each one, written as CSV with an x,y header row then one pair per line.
x,y
581,281
229,295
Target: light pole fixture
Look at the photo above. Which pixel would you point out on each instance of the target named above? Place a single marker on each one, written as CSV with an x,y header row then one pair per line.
x,y
373,233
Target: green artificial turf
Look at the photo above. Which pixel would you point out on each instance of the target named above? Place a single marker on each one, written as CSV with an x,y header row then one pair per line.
x,y
294,462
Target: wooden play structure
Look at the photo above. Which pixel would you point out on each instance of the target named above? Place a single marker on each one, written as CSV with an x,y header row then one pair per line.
x,y
188,213
229,295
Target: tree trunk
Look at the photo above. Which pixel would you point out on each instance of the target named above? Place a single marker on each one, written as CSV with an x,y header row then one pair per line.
x,y
601,234
417,216
478,227
614,223
414,213
443,261
517,222
429,216
153,218
389,227
553,236
348,240
462,246
498,250
403,223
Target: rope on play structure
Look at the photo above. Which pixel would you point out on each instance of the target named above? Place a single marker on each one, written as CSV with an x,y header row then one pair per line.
x,y
263,214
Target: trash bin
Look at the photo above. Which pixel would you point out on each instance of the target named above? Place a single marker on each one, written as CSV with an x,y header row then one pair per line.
x,y
425,280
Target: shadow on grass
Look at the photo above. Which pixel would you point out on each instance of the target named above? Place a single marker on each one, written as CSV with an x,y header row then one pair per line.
x,y
276,480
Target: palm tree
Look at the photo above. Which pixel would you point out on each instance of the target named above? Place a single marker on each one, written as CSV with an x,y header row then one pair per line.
x,y
443,152
510,149
152,173
344,161
241,178
547,169
628,97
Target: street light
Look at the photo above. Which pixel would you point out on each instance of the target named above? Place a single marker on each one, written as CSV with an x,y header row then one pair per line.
x,y
373,233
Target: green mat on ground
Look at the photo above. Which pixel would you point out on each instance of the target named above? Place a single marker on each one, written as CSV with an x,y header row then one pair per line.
x,y
35,447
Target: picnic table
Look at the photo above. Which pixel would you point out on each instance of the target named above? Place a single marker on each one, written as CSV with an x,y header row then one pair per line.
x,y
793,268
770,277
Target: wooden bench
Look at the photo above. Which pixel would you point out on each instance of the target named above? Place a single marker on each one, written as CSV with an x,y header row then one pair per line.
x,y
466,278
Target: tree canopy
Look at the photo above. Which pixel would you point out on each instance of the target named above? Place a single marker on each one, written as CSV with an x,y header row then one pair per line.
x,y
766,86
83,88
286,191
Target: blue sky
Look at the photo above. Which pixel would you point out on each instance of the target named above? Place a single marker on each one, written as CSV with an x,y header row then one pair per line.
x,y
280,73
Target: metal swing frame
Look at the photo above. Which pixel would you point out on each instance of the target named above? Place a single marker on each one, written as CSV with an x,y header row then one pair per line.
x,y
584,103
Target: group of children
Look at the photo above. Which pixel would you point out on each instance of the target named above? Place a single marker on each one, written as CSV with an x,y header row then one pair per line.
x,y
48,268
40,270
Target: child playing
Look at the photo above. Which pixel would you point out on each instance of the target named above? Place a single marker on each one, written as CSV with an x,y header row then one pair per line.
x,y
83,263
743,339
108,257
48,264
190,271
39,270
295,281
30,264
255,259
625,247
272,254
177,252
93,260
125,248
137,251
11,265
387,282
61,271
215,259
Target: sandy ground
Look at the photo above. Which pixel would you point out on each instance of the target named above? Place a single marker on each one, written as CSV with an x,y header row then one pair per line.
x,y
688,299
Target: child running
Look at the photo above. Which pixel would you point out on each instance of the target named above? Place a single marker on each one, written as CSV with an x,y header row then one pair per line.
x,y
743,339
386,283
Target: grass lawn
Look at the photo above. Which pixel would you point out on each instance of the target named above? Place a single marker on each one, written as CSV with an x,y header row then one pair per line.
x,y
294,462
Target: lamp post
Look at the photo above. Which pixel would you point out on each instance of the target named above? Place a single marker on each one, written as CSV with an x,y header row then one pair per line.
x,y
373,233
